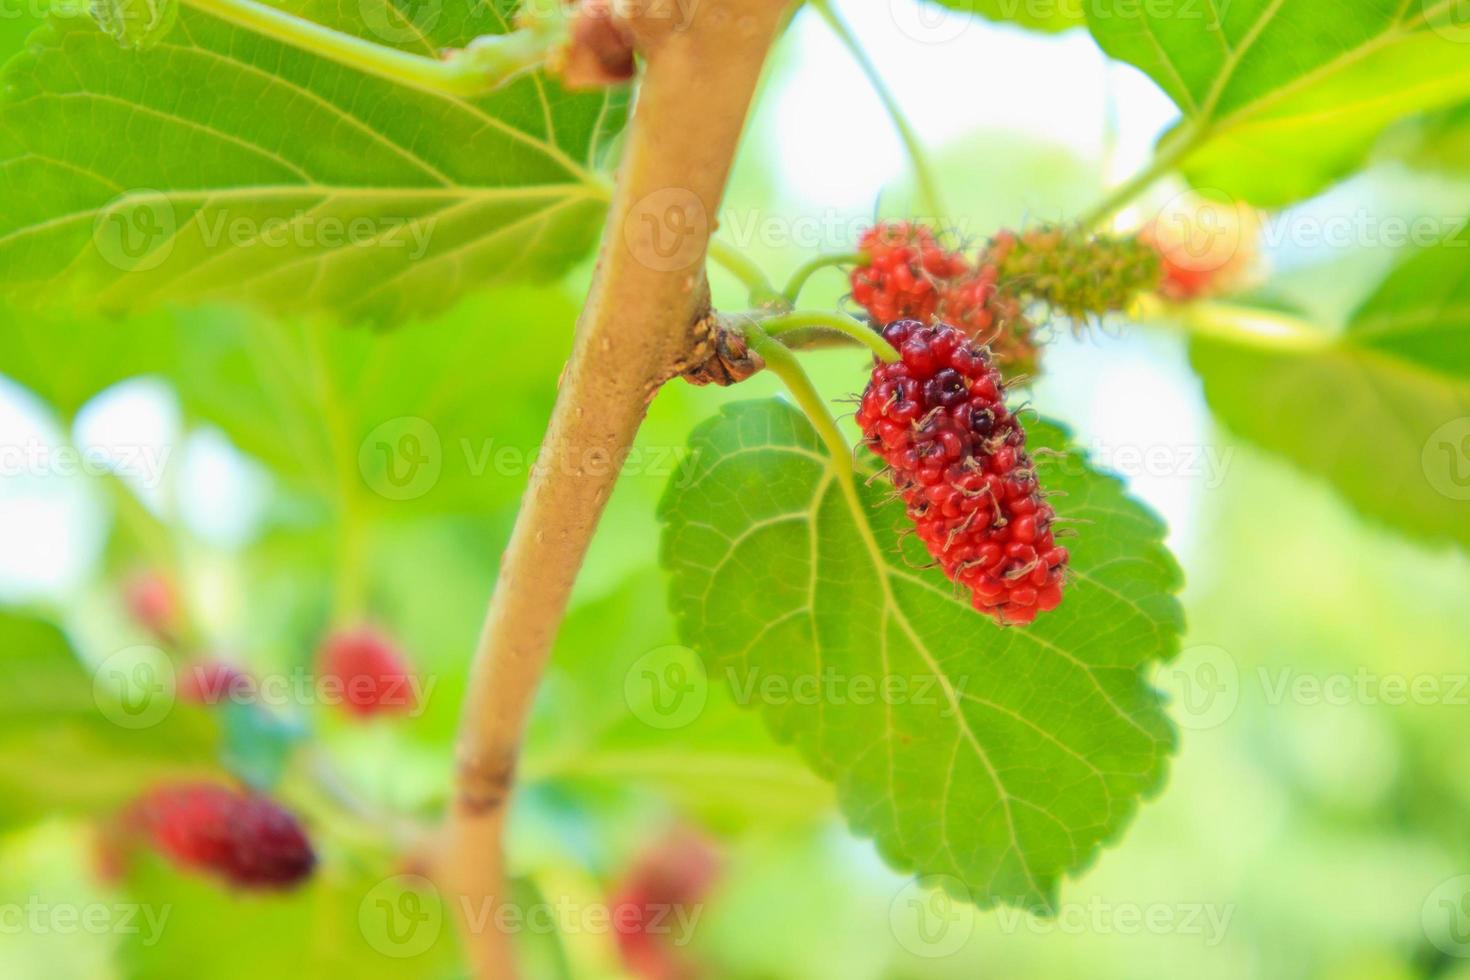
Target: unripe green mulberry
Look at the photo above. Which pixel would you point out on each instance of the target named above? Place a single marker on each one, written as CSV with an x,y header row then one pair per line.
x,y
1078,274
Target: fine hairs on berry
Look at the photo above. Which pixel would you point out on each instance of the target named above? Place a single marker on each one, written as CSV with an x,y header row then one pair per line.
x,y
958,459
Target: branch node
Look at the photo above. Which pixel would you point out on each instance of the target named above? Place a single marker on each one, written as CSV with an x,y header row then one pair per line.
x,y
720,356
484,782
599,51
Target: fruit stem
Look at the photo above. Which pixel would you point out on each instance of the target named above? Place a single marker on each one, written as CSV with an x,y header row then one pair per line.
x,y
763,294
1244,325
784,365
831,320
923,174
642,325
156,539
485,64
799,278
1125,192
351,530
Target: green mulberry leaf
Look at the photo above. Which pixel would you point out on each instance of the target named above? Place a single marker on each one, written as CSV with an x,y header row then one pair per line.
x,y
1282,97
1382,411
220,165
998,758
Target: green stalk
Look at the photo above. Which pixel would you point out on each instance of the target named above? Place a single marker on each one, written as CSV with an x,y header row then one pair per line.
x,y
1243,325
784,365
834,321
763,294
799,278
484,65
1161,164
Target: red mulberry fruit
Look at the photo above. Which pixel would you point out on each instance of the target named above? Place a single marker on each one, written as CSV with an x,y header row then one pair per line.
x,y
674,876
153,602
903,270
1206,247
976,306
245,839
214,682
372,673
958,458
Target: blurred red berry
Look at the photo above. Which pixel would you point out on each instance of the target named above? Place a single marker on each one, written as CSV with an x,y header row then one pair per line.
x,y
213,682
153,603
669,878
372,672
975,305
245,839
1182,283
111,844
1207,247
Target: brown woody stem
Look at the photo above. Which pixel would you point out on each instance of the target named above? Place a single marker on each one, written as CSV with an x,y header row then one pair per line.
x,y
639,328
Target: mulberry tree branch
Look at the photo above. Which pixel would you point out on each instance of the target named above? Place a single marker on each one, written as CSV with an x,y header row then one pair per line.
x,y
644,323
